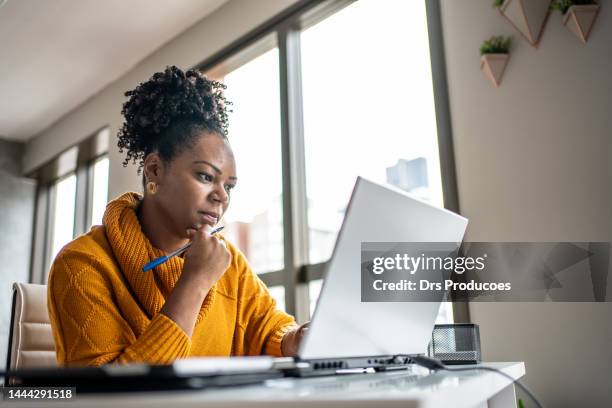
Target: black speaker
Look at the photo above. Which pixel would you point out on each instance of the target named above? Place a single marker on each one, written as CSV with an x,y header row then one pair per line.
x,y
457,343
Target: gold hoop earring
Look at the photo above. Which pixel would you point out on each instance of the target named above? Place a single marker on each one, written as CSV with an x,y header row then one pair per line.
x,y
151,188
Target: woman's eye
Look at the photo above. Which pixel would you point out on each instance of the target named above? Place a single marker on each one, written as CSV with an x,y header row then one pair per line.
x,y
229,187
205,177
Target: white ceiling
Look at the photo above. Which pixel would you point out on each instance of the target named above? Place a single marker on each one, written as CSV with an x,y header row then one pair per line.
x,y
55,54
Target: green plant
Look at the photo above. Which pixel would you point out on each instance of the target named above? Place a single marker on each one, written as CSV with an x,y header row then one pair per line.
x,y
498,44
564,5
498,3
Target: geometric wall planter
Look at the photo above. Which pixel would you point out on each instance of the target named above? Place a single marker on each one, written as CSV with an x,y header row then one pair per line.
x,y
527,16
493,66
580,19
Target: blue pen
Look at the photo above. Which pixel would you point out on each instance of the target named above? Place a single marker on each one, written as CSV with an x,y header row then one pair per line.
x,y
164,258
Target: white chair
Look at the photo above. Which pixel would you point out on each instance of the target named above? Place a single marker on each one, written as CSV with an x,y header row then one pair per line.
x,y
30,337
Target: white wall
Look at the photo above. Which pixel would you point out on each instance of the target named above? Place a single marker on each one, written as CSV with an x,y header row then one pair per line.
x,y
16,209
533,164
226,24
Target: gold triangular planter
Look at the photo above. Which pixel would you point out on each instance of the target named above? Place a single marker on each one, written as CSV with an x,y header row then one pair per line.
x,y
579,20
493,66
527,16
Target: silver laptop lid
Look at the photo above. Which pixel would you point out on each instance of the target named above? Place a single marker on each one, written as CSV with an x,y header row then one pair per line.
x,y
342,325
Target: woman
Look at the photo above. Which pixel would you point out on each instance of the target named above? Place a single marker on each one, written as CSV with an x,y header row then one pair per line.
x,y
207,302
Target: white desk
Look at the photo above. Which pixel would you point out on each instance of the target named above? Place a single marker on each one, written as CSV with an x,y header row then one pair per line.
x,y
404,389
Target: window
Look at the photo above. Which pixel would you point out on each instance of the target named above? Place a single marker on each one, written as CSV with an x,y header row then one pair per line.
x,y
324,80
71,197
367,93
254,220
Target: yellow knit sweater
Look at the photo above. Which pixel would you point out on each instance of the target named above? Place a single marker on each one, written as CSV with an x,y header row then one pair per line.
x,y
103,308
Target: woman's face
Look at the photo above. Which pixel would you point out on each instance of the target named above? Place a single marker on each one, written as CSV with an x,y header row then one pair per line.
x,y
194,188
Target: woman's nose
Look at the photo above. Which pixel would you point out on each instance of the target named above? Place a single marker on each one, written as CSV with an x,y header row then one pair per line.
x,y
219,194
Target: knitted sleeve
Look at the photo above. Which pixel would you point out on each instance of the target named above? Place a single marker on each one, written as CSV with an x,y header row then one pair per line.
x,y
88,328
261,323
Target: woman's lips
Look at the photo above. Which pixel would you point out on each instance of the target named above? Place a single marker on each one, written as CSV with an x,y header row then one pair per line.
x,y
209,219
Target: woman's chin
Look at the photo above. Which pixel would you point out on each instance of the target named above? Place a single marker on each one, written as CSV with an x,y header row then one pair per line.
x,y
197,227
191,230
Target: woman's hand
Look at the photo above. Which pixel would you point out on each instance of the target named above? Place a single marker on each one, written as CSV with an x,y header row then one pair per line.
x,y
205,262
207,259
292,340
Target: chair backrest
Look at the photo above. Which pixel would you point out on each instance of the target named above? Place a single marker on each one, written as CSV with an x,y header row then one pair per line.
x,y
30,337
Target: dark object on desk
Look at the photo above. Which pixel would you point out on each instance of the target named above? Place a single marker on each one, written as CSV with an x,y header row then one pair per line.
x,y
455,343
130,378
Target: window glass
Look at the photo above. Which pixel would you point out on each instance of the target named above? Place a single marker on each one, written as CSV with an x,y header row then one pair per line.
x,y
63,216
99,191
254,220
368,110
278,293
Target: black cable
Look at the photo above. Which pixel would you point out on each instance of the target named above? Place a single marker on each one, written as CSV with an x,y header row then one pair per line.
x,y
435,365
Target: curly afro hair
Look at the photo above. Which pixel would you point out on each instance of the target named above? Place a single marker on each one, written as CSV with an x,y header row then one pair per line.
x,y
168,112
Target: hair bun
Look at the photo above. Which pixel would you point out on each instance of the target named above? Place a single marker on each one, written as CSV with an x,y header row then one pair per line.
x,y
164,113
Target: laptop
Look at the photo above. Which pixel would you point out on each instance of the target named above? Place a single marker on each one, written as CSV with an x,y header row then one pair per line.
x,y
346,333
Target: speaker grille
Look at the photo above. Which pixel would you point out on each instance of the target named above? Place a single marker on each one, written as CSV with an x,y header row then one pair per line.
x,y
455,343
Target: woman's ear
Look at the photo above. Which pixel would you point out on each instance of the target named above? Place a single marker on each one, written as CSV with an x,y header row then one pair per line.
x,y
153,168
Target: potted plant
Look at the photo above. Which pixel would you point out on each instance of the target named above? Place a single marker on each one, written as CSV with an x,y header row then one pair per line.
x,y
578,16
494,56
527,16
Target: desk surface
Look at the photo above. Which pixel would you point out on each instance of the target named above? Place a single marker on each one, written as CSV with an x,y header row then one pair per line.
x,y
417,388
